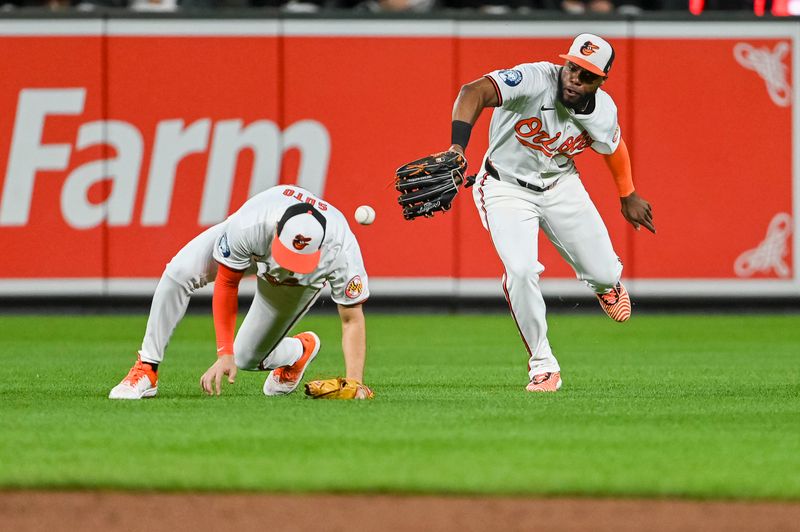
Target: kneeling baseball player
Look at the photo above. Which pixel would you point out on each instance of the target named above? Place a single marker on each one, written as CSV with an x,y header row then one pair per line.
x,y
296,243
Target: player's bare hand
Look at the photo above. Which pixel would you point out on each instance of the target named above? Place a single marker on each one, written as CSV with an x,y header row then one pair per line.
x,y
212,378
638,212
456,148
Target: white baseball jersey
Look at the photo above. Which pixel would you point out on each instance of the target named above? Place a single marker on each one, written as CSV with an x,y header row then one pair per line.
x,y
248,234
533,137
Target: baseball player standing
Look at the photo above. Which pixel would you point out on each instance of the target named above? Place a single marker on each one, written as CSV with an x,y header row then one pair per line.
x,y
296,243
546,115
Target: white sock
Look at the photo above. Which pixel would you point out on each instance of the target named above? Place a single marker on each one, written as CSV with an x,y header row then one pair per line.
x,y
287,352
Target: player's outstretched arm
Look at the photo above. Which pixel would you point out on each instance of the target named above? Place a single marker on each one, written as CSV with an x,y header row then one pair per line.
x,y
636,210
225,303
473,98
354,340
354,346
429,184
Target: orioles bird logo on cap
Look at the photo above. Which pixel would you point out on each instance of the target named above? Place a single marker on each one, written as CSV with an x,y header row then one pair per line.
x,y
300,242
588,48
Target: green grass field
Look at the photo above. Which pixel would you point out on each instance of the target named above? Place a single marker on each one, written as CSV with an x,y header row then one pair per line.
x,y
688,406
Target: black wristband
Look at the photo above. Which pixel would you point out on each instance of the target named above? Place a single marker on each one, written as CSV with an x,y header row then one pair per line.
x,y
460,133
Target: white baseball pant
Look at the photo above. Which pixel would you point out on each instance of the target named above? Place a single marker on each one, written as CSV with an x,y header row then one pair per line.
x,y
513,215
260,343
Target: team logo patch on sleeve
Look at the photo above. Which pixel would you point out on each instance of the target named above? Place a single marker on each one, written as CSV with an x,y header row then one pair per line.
x,y
224,250
354,287
510,77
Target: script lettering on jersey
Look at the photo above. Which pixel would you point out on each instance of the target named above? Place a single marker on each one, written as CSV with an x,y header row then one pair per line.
x,y
296,194
530,134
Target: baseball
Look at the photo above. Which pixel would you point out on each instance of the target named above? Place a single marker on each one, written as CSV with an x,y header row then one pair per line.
x,y
365,215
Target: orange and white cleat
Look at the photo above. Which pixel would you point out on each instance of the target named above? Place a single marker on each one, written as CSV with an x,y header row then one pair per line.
x,y
545,382
285,379
141,382
616,303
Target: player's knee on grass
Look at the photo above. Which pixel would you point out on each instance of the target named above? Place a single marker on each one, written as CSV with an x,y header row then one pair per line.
x,y
246,359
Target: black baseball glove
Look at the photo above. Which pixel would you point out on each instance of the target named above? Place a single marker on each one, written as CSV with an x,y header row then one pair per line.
x,y
428,185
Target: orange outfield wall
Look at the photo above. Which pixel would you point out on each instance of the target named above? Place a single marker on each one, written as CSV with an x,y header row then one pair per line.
x,y
116,149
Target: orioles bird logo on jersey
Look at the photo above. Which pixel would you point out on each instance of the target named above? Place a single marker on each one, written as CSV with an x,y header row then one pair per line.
x,y
588,48
300,242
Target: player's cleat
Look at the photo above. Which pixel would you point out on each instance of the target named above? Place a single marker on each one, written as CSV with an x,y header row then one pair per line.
x,y
285,379
616,303
140,382
545,382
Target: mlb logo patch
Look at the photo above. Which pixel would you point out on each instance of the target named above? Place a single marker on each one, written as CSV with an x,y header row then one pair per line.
x,y
511,77
224,250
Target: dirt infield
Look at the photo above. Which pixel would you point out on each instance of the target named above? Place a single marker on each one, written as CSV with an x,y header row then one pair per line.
x,y
107,511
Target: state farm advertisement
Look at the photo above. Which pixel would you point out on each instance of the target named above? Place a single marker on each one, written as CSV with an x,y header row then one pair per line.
x,y
116,149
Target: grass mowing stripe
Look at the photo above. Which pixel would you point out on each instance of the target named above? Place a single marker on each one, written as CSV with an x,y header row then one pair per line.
x,y
692,406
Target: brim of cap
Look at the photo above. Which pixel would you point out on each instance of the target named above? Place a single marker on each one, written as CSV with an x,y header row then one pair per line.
x,y
293,261
591,67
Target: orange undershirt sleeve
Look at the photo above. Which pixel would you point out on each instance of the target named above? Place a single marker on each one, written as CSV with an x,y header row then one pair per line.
x,y
619,163
225,303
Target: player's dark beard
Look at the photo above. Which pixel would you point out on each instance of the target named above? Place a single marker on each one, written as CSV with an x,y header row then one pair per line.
x,y
583,106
